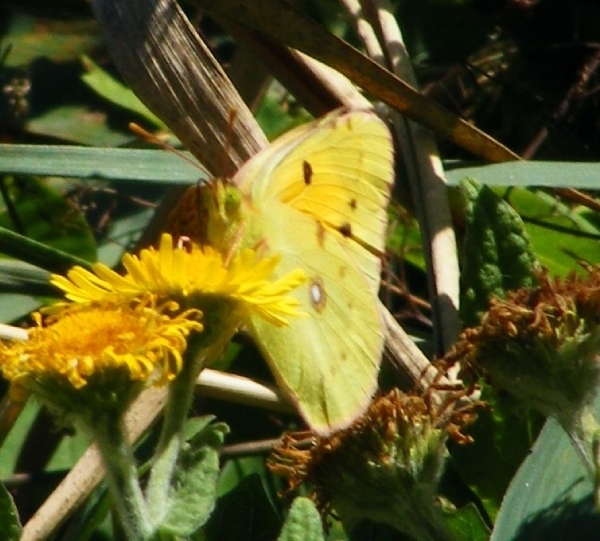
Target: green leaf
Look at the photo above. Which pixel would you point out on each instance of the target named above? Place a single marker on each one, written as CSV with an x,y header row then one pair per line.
x,y
273,119
245,509
503,435
497,252
582,175
10,527
77,124
550,497
36,253
57,40
104,84
194,490
21,285
235,471
467,523
560,235
404,237
303,522
11,446
196,425
107,163
19,277
42,214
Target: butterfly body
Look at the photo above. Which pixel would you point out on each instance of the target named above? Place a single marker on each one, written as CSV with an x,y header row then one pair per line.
x,y
317,196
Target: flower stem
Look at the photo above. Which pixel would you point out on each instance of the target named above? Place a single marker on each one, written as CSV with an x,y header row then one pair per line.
x,y
121,472
421,519
584,432
413,512
176,409
582,429
202,350
432,527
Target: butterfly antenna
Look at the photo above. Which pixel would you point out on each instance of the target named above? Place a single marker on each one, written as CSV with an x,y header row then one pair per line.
x,y
151,138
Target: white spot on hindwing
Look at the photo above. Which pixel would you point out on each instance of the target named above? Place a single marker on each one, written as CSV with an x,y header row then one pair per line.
x,y
316,294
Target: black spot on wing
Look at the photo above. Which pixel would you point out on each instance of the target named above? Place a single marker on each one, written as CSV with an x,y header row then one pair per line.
x,y
307,172
353,203
345,229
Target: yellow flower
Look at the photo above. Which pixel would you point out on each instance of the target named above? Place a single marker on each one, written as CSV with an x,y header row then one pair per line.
x,y
142,343
181,274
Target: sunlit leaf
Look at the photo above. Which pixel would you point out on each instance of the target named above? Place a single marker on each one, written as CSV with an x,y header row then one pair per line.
x,y
10,527
104,163
78,124
58,40
550,497
109,88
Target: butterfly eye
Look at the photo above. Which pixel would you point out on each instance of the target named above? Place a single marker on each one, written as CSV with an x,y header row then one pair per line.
x,y
232,200
316,293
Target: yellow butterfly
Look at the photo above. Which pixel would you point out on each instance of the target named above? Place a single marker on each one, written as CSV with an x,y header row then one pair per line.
x,y
317,196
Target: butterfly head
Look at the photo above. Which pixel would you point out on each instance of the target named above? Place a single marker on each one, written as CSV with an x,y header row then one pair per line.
x,y
209,214
224,215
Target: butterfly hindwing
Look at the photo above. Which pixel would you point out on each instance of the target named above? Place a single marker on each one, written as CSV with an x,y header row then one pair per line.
x,y
327,360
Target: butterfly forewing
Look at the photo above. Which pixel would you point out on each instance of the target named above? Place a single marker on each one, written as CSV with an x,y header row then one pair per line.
x,y
348,181
338,170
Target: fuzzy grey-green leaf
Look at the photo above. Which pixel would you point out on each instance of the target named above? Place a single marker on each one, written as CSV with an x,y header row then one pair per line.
x,y
303,522
194,491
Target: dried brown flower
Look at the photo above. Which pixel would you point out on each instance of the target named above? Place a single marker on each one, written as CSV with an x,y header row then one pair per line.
x,y
384,466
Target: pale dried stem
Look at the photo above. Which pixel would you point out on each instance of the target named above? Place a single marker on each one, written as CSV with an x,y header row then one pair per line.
x,y
421,161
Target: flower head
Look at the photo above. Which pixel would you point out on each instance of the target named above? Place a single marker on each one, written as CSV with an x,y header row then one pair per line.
x,y
386,466
540,344
100,351
188,276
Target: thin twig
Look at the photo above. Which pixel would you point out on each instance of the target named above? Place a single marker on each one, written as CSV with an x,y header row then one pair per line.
x,y
587,70
426,177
